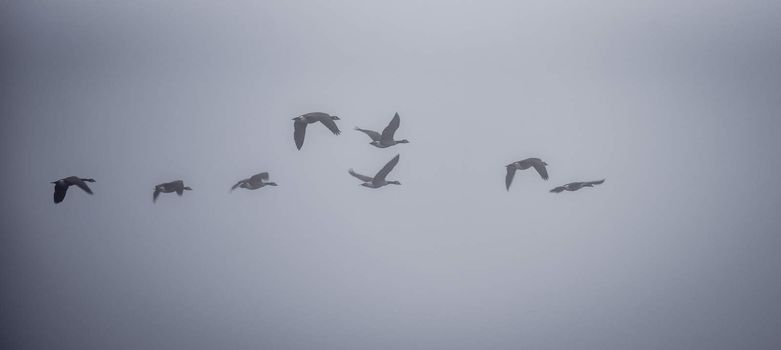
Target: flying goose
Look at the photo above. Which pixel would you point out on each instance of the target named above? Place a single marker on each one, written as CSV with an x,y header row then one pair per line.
x,y
386,138
254,182
301,121
574,186
61,186
378,180
168,187
537,163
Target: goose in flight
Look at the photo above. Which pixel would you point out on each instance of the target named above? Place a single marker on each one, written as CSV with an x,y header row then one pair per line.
x,y
386,138
574,186
537,163
378,180
61,186
300,122
168,187
254,182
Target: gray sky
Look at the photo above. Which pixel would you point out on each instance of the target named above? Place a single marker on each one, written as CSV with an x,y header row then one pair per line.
x,y
675,103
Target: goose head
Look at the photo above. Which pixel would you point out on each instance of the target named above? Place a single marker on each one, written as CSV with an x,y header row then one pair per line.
x,y
394,182
402,141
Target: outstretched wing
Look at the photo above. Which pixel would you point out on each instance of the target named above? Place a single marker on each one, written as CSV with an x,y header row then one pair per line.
x,y
595,182
558,189
315,115
363,178
237,185
508,179
259,177
386,169
375,136
387,134
59,193
541,169
82,185
298,133
331,125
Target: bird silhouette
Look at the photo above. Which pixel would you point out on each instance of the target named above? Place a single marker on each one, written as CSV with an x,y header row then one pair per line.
x,y
255,182
379,179
61,186
300,123
168,187
386,138
537,163
574,186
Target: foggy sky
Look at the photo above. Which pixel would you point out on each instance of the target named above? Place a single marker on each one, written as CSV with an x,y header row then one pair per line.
x,y
675,103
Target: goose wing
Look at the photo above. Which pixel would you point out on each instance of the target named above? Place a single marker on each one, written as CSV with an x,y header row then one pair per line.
x,y
390,130
258,178
363,178
375,136
541,169
595,182
331,125
82,185
299,132
316,115
174,186
386,169
237,184
59,193
508,179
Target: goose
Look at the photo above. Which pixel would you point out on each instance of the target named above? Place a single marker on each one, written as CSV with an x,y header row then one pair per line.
x,y
378,180
168,187
255,182
300,122
386,138
61,186
537,163
574,186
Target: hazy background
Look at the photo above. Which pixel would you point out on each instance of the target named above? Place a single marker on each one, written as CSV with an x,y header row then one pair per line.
x,y
676,103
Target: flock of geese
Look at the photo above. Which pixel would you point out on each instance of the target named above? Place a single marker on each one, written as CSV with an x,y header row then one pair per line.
x,y
300,123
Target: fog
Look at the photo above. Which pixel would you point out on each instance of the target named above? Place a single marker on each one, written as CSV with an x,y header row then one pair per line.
x,y
675,103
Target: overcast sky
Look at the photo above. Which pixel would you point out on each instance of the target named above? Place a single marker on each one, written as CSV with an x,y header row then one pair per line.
x,y
675,103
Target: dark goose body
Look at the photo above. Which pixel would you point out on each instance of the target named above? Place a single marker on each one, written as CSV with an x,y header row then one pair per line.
x,y
300,123
527,163
385,139
61,186
574,186
255,182
170,187
379,179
